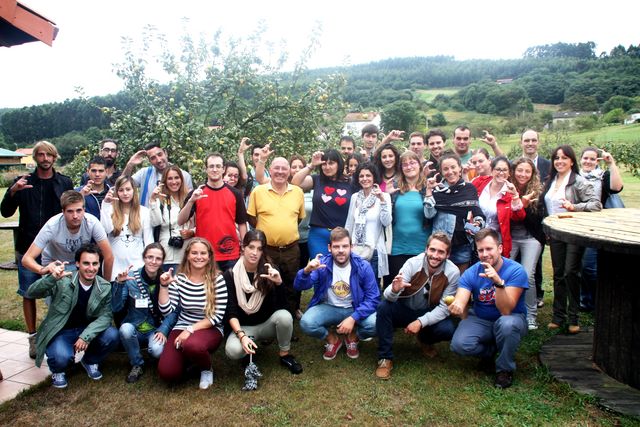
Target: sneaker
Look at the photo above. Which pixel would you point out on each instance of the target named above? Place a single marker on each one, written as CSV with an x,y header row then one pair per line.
x,y
504,379
135,374
540,302
206,379
32,345
383,371
532,325
59,380
330,350
291,364
352,348
92,371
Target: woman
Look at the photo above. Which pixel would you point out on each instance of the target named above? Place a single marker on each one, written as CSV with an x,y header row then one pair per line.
x,y
234,178
387,161
127,225
566,191
410,228
199,295
527,236
479,165
143,324
257,308
369,214
453,205
351,163
164,205
499,200
331,195
605,183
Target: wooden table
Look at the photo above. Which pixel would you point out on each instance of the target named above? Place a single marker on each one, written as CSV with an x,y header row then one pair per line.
x,y
10,225
616,235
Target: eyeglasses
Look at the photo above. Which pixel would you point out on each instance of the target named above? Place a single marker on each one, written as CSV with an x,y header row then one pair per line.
x,y
498,170
410,164
109,150
215,166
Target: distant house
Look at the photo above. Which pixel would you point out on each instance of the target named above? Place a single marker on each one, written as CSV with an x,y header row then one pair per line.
x,y
504,81
27,160
9,158
634,118
354,122
567,117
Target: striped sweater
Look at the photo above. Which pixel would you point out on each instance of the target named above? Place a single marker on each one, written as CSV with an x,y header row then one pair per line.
x,y
190,298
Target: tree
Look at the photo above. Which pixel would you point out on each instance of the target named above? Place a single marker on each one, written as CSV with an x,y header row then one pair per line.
x,y
617,115
579,102
619,101
400,115
437,120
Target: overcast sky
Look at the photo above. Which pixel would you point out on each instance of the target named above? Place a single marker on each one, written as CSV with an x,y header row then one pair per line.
x,y
89,41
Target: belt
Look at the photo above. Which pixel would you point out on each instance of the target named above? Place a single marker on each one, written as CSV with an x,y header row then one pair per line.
x,y
283,248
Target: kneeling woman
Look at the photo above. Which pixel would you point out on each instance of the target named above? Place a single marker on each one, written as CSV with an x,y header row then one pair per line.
x,y
199,294
257,307
143,323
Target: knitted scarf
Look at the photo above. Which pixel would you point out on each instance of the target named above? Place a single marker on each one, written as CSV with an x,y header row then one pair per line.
x,y
365,203
244,287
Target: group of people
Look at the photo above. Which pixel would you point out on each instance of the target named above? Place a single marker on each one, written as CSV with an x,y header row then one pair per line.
x,y
391,240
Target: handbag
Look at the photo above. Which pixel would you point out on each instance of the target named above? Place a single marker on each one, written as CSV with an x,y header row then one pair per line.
x,y
614,201
363,251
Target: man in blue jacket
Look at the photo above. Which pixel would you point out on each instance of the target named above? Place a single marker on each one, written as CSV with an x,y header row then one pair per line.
x,y
96,188
345,295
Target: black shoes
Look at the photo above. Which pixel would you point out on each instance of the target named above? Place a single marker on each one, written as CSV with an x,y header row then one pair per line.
x,y
291,364
135,374
504,379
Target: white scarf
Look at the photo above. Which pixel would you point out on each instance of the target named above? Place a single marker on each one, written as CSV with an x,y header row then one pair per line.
x,y
244,287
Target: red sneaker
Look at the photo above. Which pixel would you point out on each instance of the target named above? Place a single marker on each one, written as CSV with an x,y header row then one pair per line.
x,y
352,348
330,350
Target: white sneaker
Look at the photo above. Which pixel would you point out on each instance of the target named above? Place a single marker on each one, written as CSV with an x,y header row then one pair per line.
x,y
206,379
532,324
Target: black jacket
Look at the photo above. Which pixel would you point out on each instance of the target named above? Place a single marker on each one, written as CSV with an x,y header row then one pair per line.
x,y
36,206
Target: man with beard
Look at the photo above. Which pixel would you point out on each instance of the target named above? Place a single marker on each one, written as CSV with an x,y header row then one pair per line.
x,y
109,152
499,318
415,301
37,196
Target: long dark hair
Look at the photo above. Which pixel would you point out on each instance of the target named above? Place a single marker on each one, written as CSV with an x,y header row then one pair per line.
x,y
567,151
377,158
333,155
262,284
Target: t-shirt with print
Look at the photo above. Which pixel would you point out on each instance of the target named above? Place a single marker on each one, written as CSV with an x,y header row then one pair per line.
x,y
57,243
330,202
339,294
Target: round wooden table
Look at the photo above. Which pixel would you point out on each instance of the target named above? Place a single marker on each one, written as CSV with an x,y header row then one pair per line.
x,y
616,235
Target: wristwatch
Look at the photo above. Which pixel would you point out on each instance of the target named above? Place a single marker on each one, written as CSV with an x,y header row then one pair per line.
x,y
190,329
500,285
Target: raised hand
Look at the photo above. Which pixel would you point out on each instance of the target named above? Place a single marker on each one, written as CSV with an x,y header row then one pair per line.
x,y
490,273
314,264
433,182
316,158
111,196
167,277
138,158
198,194
57,269
157,192
512,189
272,274
244,145
398,284
427,169
123,276
377,192
20,184
265,152
395,135
488,139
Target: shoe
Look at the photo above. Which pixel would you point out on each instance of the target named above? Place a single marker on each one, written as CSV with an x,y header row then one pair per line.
x,y
59,380
574,329
504,379
532,325
330,350
206,379
92,371
429,351
487,365
352,348
553,326
291,364
135,374
383,371
32,346
540,302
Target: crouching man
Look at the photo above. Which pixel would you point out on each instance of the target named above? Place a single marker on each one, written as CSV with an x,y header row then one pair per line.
x,y
498,318
415,301
345,295
78,323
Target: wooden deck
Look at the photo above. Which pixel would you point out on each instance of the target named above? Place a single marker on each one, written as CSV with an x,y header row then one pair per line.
x,y
568,358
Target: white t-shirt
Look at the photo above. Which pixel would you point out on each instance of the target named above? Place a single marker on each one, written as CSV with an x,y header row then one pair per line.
x,y
339,294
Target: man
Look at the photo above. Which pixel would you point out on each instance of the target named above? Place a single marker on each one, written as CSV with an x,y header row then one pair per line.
x,y
276,208
96,188
415,301
499,318
78,323
217,207
461,143
147,178
345,295
417,145
37,196
347,146
63,234
435,143
109,152
369,139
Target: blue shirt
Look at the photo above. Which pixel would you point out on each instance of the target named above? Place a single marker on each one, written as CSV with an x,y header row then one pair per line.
x,y
483,289
409,235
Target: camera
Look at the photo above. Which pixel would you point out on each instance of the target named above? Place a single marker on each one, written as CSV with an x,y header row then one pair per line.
x,y
176,242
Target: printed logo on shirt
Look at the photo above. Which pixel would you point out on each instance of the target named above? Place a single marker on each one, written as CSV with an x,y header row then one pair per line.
x,y
339,199
72,245
487,295
341,289
226,245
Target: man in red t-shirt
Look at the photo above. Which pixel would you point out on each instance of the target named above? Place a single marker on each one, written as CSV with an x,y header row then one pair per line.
x,y
218,208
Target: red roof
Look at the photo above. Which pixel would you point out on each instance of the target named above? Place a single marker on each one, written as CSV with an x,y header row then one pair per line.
x,y
19,24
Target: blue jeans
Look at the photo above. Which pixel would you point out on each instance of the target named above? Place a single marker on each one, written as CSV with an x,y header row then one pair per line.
x,y
226,265
316,321
318,242
480,337
60,352
132,340
589,278
461,254
392,315
26,277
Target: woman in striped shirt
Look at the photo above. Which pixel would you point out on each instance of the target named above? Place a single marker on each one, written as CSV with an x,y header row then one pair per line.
x,y
199,293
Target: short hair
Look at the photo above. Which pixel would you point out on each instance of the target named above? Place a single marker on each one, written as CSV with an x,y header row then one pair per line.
x,y
530,130
97,160
448,155
113,141
349,139
47,147
71,197
462,128
210,155
487,232
420,134
151,145
594,149
254,146
88,248
339,233
297,157
435,132
365,166
370,128
154,245
441,236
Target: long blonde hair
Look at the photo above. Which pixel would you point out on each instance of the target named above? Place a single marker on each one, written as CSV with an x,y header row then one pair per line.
x,y
182,192
210,274
117,217
403,184
533,186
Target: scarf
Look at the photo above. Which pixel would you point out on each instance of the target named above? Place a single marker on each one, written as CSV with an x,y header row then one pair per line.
x,y
244,287
595,178
365,203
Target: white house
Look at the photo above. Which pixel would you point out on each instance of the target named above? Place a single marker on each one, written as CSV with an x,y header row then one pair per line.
x,y
634,118
354,122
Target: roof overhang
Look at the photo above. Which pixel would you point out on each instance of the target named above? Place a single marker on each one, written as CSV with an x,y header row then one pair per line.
x,y
19,24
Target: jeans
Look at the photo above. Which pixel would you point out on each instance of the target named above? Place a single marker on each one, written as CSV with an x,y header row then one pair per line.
x,y
392,315
226,265
132,340
461,254
318,242
395,264
529,250
316,321
480,337
60,352
287,261
589,278
26,277
279,325
566,260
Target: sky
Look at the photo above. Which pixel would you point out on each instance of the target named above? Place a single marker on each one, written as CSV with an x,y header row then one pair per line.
x,y
89,39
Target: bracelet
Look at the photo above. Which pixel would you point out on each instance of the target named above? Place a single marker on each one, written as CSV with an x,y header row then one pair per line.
x,y
164,286
238,332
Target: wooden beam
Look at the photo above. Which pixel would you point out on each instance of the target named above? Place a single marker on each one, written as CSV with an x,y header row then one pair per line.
x,y
28,21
